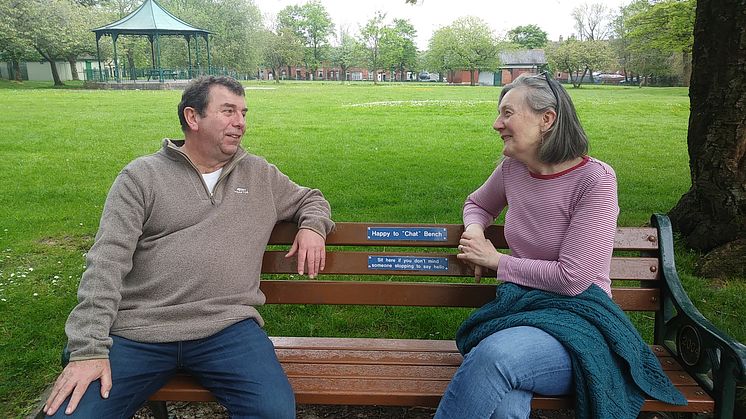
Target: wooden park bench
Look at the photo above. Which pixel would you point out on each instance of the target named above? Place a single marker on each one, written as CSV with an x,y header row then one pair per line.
x,y
372,264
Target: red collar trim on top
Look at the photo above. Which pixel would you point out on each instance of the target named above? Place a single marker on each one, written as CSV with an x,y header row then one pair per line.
x,y
558,174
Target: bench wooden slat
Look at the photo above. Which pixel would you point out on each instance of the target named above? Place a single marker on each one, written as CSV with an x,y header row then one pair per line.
x,y
422,345
400,391
417,294
428,392
332,356
356,234
370,371
407,371
356,263
698,401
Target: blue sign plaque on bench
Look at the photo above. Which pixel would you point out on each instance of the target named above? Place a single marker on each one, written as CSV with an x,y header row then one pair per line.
x,y
407,263
430,234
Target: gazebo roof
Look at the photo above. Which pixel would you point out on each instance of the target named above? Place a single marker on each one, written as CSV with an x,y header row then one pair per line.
x,y
150,18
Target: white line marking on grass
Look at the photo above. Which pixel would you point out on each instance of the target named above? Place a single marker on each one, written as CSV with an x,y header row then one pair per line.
x,y
416,103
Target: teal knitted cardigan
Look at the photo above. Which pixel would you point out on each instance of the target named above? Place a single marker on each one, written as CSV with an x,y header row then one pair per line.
x,y
613,368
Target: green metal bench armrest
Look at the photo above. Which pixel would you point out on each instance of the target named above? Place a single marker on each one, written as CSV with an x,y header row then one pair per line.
x,y
715,360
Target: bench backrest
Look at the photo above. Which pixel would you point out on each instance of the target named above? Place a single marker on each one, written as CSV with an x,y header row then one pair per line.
x,y
372,264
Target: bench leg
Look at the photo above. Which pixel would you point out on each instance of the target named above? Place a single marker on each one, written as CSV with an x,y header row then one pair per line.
x,y
158,409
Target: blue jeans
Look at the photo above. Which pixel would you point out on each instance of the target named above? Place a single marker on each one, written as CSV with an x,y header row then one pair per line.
x,y
499,376
238,365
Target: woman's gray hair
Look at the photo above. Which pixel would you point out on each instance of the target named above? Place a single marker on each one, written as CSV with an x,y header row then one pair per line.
x,y
565,139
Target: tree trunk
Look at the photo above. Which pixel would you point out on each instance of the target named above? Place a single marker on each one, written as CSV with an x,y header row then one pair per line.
x,y
73,68
17,70
713,211
131,63
579,81
471,77
569,74
55,73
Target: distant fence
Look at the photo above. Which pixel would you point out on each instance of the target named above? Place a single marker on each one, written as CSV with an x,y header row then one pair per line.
x,y
158,74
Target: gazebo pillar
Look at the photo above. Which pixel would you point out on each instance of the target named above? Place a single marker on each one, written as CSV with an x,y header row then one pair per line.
x,y
152,51
114,37
196,53
207,40
98,56
189,53
158,49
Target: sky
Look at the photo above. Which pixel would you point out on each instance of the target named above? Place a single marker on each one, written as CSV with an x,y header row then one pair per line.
x,y
553,16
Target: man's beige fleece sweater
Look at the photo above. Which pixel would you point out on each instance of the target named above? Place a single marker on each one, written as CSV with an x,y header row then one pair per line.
x,y
173,262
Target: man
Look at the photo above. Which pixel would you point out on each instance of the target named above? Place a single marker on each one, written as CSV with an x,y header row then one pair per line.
x,y
173,276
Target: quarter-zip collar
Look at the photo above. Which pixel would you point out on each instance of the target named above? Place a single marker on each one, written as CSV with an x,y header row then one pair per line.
x,y
172,148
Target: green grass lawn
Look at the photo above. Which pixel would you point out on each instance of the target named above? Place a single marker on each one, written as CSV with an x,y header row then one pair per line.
x,y
388,153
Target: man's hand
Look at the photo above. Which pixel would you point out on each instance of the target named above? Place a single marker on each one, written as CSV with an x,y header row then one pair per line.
x,y
74,380
310,247
477,251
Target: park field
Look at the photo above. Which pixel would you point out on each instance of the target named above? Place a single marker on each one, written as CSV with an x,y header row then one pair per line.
x,y
386,153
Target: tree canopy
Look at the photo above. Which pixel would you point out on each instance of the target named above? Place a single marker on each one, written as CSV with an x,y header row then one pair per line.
x,y
397,46
311,23
468,43
528,36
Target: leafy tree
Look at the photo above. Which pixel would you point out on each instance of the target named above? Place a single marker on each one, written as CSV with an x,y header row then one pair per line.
x,y
476,45
567,56
397,46
13,46
349,53
578,58
282,49
661,30
81,41
441,54
370,38
468,43
528,36
621,40
52,28
312,23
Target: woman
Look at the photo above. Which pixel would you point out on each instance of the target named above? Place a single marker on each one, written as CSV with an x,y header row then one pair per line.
x,y
560,226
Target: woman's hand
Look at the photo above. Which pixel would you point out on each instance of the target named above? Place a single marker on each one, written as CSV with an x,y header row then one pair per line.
x,y
478,252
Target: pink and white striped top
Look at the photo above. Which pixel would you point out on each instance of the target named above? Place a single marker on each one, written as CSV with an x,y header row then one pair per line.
x,y
560,227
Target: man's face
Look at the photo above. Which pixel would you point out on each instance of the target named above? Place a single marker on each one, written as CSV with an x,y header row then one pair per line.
x,y
221,128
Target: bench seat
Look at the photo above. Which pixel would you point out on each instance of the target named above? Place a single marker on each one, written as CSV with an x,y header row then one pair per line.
x,y
398,372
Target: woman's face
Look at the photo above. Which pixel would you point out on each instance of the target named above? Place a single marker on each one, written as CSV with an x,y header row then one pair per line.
x,y
519,126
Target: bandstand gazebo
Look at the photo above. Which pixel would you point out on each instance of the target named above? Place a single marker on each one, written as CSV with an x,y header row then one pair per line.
x,y
153,21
